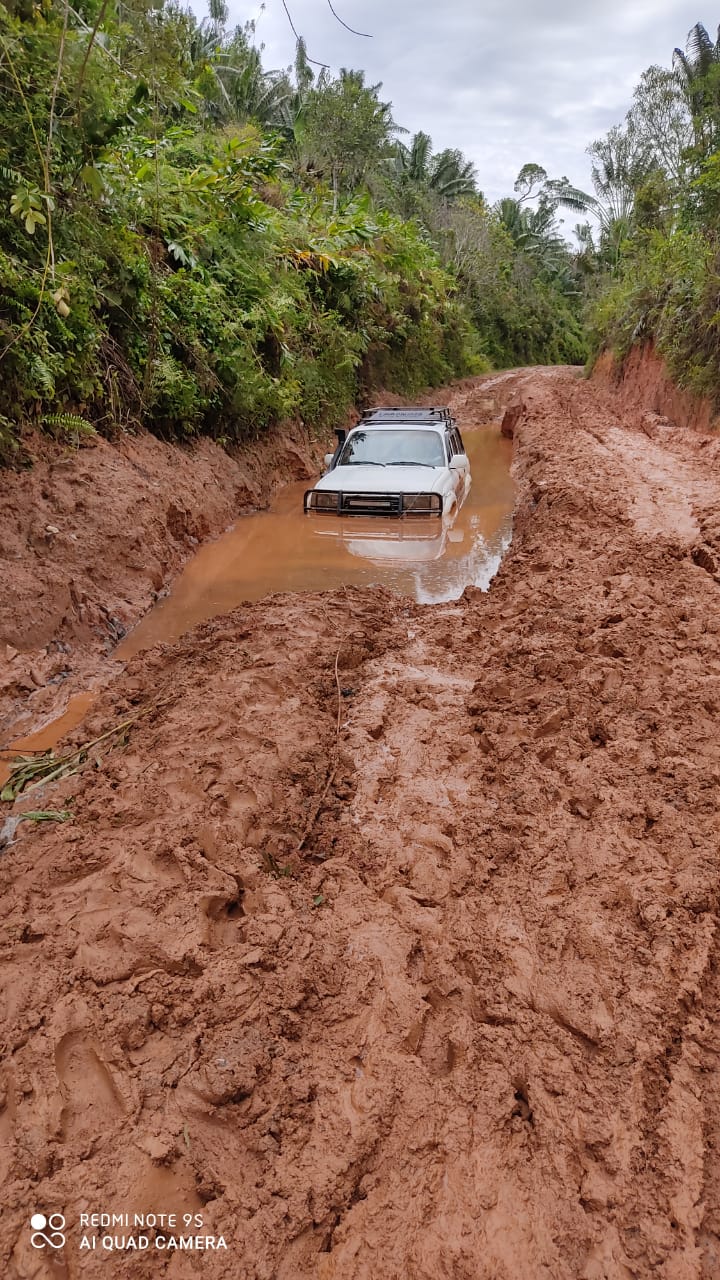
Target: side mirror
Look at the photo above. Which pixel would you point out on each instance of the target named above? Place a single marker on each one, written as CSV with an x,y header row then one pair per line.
x,y
459,462
329,459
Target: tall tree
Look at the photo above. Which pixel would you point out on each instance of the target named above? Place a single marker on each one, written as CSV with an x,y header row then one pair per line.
x,y
660,116
622,162
698,72
347,130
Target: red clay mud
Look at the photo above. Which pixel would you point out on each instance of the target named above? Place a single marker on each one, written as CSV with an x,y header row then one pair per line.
x,y
90,537
641,381
282,549
470,1030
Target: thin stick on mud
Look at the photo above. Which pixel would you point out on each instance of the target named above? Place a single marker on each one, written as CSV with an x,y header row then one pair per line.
x,y
333,769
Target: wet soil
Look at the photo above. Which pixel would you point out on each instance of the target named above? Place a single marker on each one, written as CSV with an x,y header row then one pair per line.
x,y
388,943
91,537
50,734
282,549
641,381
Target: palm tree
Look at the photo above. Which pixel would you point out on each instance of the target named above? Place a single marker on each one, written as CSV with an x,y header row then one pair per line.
x,y
451,175
699,57
230,74
535,232
411,161
448,174
511,215
418,179
698,72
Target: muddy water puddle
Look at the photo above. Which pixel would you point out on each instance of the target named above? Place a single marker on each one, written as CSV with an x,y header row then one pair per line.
x,y
283,550
49,736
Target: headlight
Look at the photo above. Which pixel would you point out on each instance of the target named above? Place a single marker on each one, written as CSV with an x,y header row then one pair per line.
x,y
322,500
422,503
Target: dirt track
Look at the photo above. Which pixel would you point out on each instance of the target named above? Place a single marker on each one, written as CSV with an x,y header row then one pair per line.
x,y
471,1029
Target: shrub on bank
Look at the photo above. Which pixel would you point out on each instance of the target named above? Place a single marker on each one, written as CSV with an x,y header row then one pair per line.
x,y
667,290
215,311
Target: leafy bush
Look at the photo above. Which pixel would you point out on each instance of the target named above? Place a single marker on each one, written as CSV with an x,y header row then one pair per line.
x,y
667,291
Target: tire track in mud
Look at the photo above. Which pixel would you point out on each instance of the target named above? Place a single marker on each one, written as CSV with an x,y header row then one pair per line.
x,y
703,1065
472,1031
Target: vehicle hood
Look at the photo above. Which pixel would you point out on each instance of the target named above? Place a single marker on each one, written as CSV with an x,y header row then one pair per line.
x,y
359,479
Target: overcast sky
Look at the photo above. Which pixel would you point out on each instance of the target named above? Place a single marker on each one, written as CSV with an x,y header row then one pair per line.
x,y
507,81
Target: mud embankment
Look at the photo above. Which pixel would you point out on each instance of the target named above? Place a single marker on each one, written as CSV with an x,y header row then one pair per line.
x,y
641,381
90,537
389,943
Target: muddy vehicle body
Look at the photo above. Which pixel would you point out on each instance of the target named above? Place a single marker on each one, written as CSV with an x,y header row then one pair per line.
x,y
400,462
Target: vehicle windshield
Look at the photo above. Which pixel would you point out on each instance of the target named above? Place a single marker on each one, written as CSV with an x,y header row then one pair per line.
x,y
386,448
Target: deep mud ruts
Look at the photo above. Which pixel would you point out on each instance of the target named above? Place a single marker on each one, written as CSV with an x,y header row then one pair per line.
x,y
470,1029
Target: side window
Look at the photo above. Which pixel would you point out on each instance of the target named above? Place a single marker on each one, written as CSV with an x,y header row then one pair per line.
x,y
455,442
460,441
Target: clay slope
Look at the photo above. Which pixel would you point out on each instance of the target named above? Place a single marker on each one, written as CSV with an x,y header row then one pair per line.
x,y
470,1029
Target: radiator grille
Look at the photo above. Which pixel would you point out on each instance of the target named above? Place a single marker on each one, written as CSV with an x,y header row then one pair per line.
x,y
372,503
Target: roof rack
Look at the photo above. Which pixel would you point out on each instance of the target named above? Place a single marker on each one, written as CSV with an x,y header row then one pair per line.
x,y
408,413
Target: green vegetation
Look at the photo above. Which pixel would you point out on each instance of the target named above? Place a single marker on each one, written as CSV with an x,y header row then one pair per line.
x,y
653,263
194,244
36,768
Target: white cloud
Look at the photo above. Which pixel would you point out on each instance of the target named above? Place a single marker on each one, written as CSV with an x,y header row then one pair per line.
x,y
509,82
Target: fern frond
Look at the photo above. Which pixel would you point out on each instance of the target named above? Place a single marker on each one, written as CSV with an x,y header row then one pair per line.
x,y
69,424
11,175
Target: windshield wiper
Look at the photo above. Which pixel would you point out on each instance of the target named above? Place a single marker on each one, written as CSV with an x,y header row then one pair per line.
x,y
400,463
363,462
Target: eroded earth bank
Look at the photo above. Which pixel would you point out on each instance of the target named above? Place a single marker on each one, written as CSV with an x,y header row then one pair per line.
x,y
411,972
90,537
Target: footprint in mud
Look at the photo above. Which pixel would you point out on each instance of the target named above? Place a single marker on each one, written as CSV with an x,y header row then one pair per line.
x,y
438,1050
242,805
441,1039
91,1101
415,963
224,920
156,867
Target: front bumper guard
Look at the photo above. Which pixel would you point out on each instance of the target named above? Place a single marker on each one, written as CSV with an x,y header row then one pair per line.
x,y
373,504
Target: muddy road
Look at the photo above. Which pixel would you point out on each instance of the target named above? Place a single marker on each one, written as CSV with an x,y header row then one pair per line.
x,y
387,945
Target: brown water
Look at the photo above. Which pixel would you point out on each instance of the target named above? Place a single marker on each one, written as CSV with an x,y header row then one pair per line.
x,y
282,549
50,734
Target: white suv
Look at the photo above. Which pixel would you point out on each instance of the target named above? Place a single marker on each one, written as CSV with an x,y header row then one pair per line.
x,y
395,462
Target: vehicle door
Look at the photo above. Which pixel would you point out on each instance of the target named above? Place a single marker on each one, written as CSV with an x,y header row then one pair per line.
x,y
459,476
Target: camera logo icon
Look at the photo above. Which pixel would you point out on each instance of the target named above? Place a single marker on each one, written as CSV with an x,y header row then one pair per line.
x,y
48,1232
